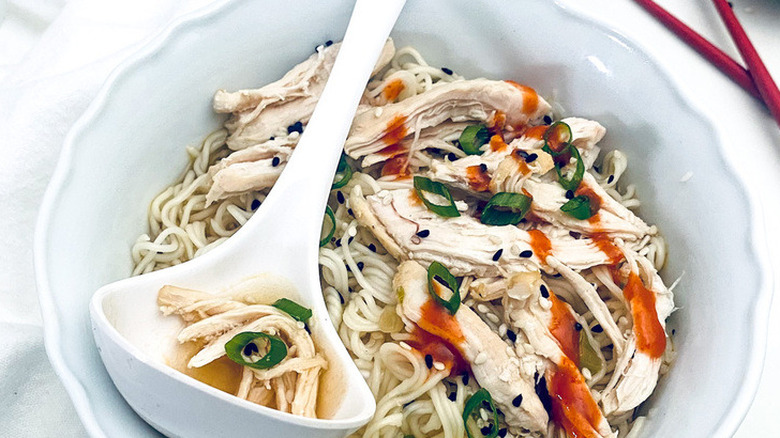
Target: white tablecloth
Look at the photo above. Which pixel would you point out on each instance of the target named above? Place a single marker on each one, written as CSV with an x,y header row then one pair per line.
x,y
54,55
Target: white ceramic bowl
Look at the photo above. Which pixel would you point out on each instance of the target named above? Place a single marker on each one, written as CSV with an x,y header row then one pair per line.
x,y
130,144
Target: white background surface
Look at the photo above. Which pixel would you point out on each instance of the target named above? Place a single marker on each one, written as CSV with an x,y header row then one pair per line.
x,y
54,54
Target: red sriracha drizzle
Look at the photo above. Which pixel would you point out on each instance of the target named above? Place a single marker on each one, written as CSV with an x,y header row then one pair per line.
x,y
438,334
650,336
562,328
573,407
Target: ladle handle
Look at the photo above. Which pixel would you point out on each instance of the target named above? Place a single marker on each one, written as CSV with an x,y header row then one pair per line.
x,y
304,185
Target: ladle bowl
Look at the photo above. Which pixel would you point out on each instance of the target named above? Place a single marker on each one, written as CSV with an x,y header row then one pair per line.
x,y
275,250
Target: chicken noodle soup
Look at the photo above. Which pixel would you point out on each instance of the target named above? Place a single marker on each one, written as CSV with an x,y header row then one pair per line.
x,y
263,353
479,261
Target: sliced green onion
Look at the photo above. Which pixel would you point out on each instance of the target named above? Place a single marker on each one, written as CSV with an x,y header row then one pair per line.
x,y
293,309
422,184
346,173
329,213
471,410
588,357
243,350
437,272
557,138
579,172
472,138
506,208
578,207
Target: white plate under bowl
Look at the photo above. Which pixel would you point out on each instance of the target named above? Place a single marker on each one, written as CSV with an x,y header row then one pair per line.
x,y
130,145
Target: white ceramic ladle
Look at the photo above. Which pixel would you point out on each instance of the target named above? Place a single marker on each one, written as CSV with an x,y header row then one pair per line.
x,y
134,339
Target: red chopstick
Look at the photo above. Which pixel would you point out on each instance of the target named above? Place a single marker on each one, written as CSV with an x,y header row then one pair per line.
x,y
763,80
720,59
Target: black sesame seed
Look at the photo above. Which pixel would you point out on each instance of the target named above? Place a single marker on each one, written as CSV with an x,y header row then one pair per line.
x,y
340,197
483,167
423,233
569,194
429,361
577,326
511,335
531,158
360,265
255,204
272,138
350,240
250,349
446,70
341,298
453,396
372,247
597,328
575,234
465,378
275,162
497,255
502,432
350,212
547,120
544,291
522,154
306,326
451,156
673,331
328,43
731,5
527,253
517,400
349,269
557,275
597,169
487,430
338,243
295,127
610,179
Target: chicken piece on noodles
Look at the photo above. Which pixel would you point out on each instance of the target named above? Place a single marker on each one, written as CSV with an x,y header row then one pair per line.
x,y
495,365
458,101
260,114
463,244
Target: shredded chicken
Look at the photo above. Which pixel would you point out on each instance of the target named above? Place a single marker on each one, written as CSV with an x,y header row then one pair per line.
x,y
473,100
463,244
258,115
290,386
495,366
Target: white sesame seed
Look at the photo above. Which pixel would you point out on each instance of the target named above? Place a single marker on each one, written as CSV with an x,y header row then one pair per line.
x,y
502,330
352,231
586,373
481,308
405,346
480,359
300,324
493,317
509,351
439,366
545,303
686,177
483,413
378,111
